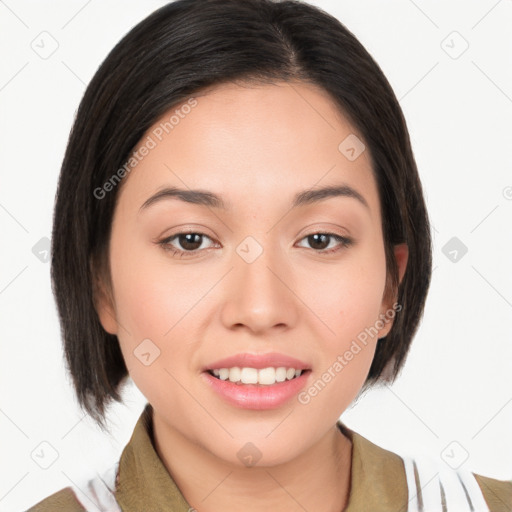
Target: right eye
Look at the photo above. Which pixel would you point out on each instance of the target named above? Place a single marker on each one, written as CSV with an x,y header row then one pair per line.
x,y
191,242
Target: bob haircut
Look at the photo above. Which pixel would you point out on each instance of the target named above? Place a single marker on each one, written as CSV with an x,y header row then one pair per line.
x,y
183,48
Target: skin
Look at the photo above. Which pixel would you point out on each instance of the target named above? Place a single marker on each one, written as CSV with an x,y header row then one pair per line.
x,y
256,146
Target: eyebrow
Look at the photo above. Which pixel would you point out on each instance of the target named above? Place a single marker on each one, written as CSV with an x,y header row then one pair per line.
x,y
206,198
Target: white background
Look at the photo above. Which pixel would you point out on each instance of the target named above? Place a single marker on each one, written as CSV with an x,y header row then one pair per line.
x,y
456,385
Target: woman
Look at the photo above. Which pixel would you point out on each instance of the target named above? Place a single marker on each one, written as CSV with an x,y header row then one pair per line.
x,y
241,229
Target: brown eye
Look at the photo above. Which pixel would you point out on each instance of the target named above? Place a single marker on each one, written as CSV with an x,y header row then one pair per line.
x,y
190,241
321,241
184,242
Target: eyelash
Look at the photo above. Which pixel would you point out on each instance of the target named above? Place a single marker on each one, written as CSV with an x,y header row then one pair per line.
x,y
165,243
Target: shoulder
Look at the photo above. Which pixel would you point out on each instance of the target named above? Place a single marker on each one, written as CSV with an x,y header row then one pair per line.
x,y
98,491
399,481
497,493
63,500
377,476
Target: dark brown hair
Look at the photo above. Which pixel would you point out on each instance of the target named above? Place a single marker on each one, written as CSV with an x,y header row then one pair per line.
x,y
180,49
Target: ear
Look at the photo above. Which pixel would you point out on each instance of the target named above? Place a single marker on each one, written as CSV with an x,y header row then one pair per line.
x,y
103,302
401,252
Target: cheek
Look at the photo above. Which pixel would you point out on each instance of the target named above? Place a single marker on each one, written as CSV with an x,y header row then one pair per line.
x,y
347,298
153,311
153,306
348,302
151,293
152,302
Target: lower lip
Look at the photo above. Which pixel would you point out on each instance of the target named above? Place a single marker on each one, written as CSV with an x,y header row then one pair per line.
x,y
257,396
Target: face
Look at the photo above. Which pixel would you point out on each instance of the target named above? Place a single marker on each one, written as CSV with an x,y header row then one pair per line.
x,y
196,283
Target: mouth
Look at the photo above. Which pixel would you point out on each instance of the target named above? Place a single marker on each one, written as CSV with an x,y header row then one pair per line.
x,y
255,377
256,388
250,368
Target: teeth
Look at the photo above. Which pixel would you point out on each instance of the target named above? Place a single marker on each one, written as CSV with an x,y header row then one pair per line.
x,y
265,376
223,373
233,374
280,374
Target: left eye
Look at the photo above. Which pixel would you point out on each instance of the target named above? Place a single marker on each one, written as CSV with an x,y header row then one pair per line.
x,y
320,238
191,242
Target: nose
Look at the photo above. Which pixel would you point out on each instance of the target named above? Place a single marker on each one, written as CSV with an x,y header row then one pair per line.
x,y
259,294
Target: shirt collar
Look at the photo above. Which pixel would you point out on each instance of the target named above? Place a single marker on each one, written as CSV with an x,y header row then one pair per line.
x,y
143,483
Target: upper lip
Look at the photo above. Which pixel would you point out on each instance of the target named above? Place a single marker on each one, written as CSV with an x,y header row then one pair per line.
x,y
258,361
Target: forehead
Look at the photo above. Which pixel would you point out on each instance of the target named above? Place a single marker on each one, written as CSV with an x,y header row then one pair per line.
x,y
252,143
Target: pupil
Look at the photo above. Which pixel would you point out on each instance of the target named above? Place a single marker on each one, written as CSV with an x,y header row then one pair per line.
x,y
187,244
315,239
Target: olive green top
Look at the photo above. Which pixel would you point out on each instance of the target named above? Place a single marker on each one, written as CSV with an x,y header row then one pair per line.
x,y
378,480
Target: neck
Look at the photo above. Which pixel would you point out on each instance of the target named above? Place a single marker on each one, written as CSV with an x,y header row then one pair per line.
x,y
319,479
